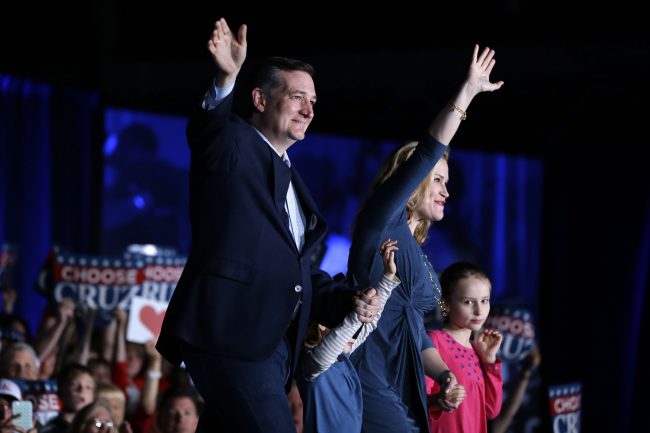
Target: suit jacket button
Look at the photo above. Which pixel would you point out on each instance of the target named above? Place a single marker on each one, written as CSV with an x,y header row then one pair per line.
x,y
298,288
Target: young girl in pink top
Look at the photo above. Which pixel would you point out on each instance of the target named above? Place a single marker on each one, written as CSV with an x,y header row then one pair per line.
x,y
465,304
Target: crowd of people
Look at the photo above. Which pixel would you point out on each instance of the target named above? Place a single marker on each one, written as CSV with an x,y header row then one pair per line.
x,y
100,381
255,332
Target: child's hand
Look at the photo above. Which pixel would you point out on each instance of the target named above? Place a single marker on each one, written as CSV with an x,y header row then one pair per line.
x,y
451,394
455,396
488,344
387,252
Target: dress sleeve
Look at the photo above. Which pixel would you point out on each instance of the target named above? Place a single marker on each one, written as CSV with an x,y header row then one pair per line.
x,y
390,198
427,343
386,206
493,388
432,389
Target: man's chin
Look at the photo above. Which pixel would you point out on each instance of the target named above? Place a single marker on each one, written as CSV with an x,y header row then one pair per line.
x,y
299,134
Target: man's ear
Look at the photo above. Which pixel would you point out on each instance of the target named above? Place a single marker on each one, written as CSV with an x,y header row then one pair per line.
x,y
259,99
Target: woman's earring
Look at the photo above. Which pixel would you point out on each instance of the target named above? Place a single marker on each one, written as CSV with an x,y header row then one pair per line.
x,y
443,310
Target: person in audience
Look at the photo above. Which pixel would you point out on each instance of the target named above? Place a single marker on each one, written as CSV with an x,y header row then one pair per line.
x,y
179,411
13,328
96,417
116,399
76,389
56,335
101,370
515,396
19,361
10,392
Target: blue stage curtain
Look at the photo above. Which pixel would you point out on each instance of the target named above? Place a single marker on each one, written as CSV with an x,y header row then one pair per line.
x,y
46,176
595,282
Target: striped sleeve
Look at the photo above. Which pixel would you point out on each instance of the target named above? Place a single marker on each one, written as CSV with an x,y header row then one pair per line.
x,y
321,357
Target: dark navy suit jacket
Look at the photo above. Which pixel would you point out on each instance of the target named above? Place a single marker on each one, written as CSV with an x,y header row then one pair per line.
x,y
244,276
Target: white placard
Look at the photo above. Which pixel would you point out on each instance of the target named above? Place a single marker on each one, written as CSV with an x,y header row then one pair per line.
x,y
145,319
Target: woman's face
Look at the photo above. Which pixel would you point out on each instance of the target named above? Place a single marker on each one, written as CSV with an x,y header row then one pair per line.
x,y
432,206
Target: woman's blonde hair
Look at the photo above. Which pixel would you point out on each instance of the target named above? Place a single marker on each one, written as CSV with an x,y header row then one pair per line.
x,y
397,158
82,417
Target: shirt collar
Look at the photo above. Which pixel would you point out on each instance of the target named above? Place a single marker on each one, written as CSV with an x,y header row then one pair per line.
x,y
284,157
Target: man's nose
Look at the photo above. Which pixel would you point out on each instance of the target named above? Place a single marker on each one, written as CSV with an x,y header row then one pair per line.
x,y
307,109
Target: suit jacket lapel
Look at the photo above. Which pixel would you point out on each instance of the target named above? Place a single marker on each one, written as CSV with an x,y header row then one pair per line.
x,y
281,179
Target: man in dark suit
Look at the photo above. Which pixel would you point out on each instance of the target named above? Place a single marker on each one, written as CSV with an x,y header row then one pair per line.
x,y
240,310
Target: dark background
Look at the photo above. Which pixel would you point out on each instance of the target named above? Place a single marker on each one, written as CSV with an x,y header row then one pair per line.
x,y
383,69
575,95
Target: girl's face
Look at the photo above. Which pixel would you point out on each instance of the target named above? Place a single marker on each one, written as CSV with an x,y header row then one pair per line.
x,y
432,206
469,305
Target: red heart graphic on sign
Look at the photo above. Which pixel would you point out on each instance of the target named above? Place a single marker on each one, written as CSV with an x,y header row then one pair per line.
x,y
151,319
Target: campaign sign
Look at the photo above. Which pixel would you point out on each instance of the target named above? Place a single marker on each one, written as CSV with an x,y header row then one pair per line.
x,y
518,331
99,283
565,402
145,319
516,326
106,283
42,394
160,276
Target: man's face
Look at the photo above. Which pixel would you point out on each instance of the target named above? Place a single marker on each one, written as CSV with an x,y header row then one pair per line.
x,y
180,416
288,111
21,366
